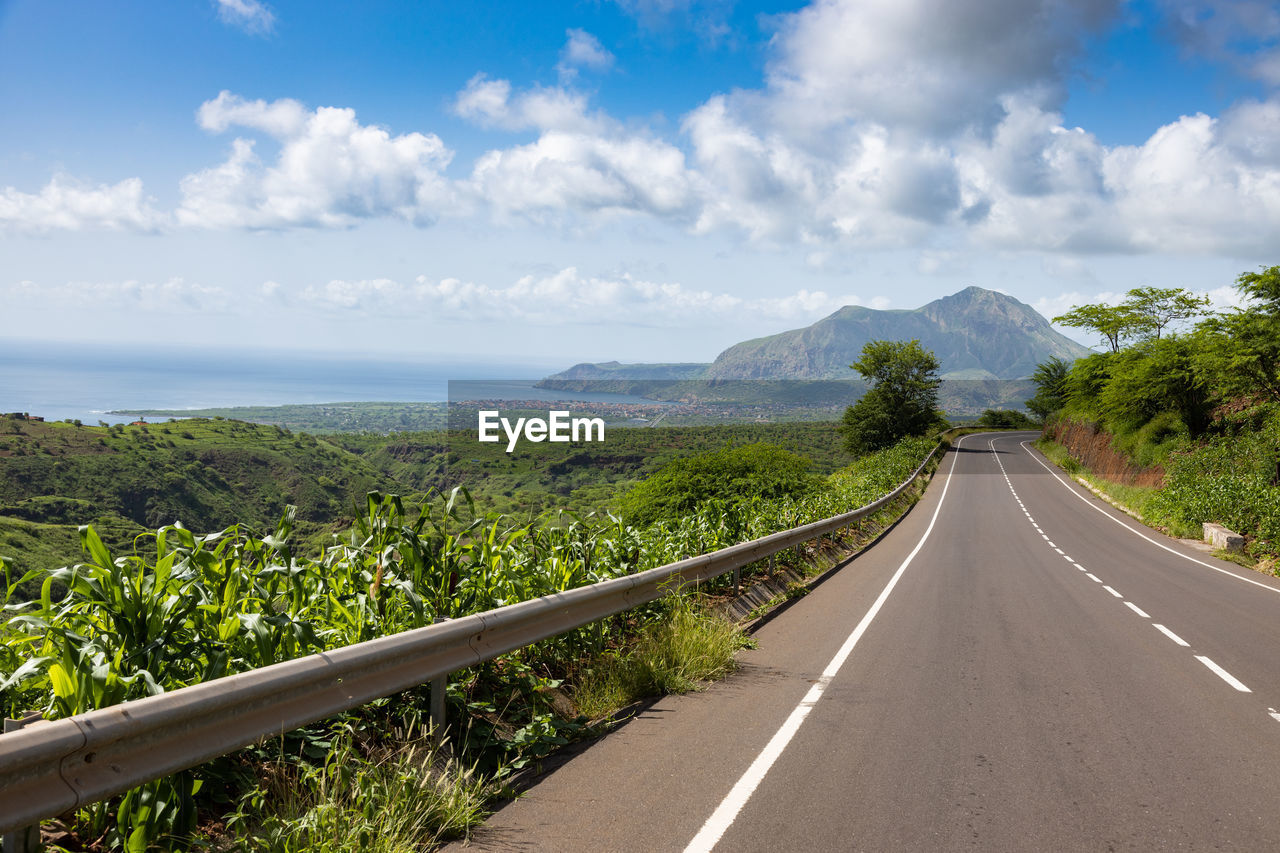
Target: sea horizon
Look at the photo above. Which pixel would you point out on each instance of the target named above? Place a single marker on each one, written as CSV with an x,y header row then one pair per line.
x,y
61,381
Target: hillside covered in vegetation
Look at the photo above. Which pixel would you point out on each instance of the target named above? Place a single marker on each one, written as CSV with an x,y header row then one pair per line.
x,y
1182,410
211,474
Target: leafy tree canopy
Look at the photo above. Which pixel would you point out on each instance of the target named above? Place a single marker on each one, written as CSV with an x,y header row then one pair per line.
x,y
1051,387
1146,313
1154,308
902,399
1241,350
1112,322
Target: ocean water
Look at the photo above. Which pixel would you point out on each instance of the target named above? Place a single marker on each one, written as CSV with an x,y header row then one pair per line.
x,y
60,381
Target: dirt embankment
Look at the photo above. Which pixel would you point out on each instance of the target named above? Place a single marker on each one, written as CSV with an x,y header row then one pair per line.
x,y
1090,445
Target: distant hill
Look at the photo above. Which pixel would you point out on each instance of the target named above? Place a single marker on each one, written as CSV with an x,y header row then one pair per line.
x,y
616,370
976,334
208,474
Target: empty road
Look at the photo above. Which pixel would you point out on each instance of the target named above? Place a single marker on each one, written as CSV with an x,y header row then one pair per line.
x,y
1015,666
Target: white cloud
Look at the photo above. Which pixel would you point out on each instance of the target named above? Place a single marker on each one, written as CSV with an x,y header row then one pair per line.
x,y
251,16
330,171
282,118
64,204
489,103
566,172
580,163
881,124
1201,185
933,65
174,294
582,50
1223,298
567,296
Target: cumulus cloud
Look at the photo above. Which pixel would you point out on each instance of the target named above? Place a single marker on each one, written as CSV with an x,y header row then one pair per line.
x,y
1245,33
880,124
582,50
1201,184
883,124
490,103
567,296
65,204
251,16
581,162
587,173
921,63
330,170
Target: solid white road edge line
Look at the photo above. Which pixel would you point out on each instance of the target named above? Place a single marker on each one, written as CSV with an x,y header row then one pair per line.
x,y
1223,674
1134,530
725,814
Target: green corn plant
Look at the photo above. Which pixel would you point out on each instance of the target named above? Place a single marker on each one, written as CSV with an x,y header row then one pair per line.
x,y
185,608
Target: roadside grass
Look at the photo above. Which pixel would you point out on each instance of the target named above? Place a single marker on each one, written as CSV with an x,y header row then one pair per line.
x,y
692,644
1137,501
678,653
400,796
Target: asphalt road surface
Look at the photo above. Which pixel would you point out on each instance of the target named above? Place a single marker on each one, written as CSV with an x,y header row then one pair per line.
x,y
1015,666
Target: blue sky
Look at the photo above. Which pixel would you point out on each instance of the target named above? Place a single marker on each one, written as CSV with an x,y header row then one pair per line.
x,y
642,180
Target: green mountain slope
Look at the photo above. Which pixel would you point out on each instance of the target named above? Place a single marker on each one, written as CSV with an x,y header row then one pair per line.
x,y
128,479
976,334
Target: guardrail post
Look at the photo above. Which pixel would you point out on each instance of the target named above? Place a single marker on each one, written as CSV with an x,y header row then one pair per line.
x,y
26,839
436,705
737,579
439,690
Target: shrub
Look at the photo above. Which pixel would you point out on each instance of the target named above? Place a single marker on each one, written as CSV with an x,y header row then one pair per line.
x,y
733,476
1006,419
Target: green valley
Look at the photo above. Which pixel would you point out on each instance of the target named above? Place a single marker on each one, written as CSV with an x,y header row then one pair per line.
x,y
213,473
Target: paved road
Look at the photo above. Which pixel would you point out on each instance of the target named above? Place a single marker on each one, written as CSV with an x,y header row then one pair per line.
x,y
1016,666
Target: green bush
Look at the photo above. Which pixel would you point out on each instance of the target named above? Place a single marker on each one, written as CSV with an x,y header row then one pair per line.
x,y
1006,419
1230,480
732,476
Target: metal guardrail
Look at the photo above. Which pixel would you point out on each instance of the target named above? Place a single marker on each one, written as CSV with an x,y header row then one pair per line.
x,y
51,767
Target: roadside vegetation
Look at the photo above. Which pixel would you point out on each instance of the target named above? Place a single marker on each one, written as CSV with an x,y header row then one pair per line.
x,y
170,607
211,474
901,398
1187,404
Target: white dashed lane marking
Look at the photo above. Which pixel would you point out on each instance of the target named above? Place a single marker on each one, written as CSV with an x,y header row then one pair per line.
x,y
1223,674
1209,664
1172,636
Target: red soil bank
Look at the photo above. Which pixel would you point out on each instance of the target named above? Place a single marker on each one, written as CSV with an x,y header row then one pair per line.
x,y
1090,445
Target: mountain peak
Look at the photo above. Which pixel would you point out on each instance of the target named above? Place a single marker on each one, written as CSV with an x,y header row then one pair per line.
x,y
976,334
